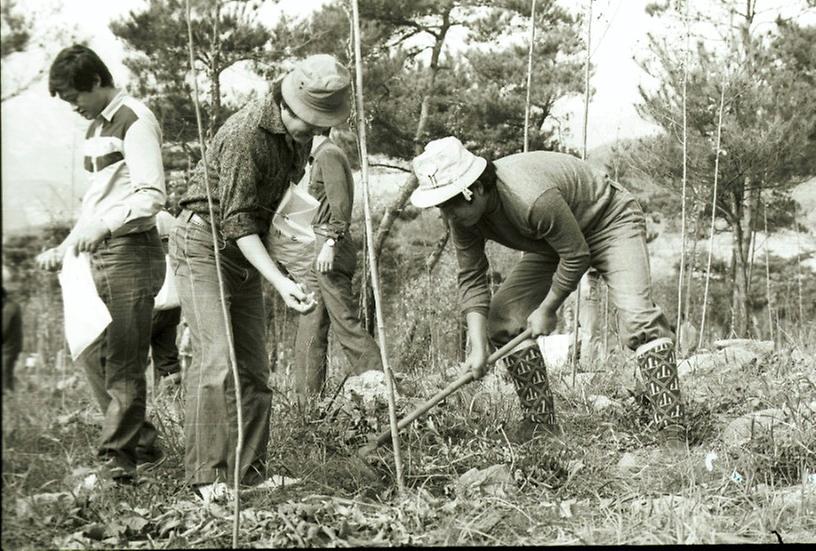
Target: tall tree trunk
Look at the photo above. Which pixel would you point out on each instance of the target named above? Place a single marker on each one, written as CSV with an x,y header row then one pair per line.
x,y
411,182
741,243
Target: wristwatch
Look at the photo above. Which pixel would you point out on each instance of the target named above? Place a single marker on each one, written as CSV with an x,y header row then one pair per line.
x,y
331,241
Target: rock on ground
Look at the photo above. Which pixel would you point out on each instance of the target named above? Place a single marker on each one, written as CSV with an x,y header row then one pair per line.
x,y
791,496
668,504
600,402
369,385
628,463
760,348
707,362
743,428
495,480
635,461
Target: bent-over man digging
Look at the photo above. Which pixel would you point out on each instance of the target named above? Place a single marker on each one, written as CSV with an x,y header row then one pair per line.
x,y
565,219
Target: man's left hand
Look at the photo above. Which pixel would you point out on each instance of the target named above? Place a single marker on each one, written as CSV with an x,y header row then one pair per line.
x,y
90,235
325,259
542,321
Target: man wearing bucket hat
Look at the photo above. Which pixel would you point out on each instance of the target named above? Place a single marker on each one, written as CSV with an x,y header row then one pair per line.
x,y
250,162
565,219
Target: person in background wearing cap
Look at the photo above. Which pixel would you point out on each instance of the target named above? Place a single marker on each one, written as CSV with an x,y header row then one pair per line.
x,y
330,275
250,162
565,218
12,333
166,317
117,227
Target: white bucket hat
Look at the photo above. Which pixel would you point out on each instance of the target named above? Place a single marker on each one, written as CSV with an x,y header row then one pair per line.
x,y
444,169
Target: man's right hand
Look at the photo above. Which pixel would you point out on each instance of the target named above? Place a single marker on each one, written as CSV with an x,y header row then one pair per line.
x,y
476,362
50,259
294,296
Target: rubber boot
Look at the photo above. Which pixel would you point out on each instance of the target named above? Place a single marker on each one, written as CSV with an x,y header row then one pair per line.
x,y
528,370
658,368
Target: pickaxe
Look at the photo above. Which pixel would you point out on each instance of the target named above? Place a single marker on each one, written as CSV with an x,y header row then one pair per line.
x,y
441,395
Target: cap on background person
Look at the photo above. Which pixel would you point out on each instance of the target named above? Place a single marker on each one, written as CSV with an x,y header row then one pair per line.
x,y
318,90
444,169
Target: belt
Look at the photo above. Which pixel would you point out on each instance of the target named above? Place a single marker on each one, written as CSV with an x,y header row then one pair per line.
x,y
193,218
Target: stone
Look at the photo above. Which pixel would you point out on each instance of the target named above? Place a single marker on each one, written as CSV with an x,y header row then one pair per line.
x,y
369,385
601,402
634,462
760,348
628,462
803,495
496,480
708,362
743,428
668,504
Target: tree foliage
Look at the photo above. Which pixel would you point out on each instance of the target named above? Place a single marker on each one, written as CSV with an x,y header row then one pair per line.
x,y
418,87
767,129
15,28
36,35
225,33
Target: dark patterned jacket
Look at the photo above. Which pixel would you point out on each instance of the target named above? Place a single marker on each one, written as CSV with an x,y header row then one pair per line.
x,y
251,161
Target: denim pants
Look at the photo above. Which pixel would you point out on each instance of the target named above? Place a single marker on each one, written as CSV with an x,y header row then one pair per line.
x,y
12,339
210,420
128,271
163,348
619,254
335,306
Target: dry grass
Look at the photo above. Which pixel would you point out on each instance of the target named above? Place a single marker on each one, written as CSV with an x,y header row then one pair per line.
x,y
565,490
569,490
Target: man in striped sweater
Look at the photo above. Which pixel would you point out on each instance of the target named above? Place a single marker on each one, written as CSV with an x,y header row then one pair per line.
x,y
117,227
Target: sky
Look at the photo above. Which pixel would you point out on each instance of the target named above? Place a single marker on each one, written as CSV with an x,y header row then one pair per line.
x,y
42,172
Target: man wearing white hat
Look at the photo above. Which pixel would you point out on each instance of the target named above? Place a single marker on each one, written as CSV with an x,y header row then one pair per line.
x,y
565,219
250,162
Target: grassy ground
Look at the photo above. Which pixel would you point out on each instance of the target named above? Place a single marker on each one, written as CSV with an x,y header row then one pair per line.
x,y
605,480
565,490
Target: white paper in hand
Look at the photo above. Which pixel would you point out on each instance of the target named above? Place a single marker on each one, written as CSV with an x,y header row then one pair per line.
x,y
294,215
86,316
167,298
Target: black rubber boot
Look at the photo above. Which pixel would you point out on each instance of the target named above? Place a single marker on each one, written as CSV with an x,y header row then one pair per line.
x,y
529,373
658,368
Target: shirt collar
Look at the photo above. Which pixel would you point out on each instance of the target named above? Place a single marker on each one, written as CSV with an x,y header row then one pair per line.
x,y
271,116
110,110
318,143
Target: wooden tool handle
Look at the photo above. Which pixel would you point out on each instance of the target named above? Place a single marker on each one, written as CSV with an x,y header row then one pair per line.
x,y
451,388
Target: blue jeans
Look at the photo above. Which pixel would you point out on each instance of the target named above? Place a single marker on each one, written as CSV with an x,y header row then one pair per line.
x,y
128,271
163,346
335,305
619,254
210,420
